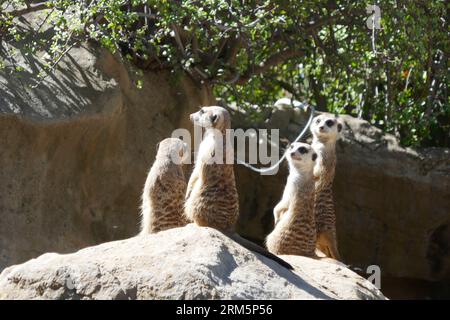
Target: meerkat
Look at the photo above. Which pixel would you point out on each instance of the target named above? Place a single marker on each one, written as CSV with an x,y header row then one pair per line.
x,y
165,188
325,130
295,228
211,196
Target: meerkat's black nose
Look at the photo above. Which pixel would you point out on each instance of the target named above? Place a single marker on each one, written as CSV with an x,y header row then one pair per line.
x,y
302,150
329,123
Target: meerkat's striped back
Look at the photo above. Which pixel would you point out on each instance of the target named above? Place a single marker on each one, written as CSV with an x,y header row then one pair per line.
x,y
164,190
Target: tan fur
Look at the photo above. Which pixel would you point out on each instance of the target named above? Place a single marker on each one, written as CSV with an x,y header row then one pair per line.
x,y
164,190
324,142
295,230
211,198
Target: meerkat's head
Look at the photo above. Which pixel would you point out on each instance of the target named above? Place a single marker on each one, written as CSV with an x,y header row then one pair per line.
x,y
174,149
301,156
326,128
212,117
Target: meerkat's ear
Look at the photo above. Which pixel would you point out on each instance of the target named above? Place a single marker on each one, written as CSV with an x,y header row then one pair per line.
x,y
214,118
339,126
288,146
314,156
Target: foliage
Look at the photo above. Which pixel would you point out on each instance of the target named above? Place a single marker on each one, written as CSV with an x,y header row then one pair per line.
x,y
255,51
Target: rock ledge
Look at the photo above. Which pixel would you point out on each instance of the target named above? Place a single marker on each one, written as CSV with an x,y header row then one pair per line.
x,y
183,263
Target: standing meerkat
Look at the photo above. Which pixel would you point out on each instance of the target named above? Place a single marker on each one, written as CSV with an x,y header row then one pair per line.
x,y
295,229
165,188
325,130
211,197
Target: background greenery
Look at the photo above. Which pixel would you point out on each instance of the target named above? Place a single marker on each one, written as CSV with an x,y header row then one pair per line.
x,y
253,52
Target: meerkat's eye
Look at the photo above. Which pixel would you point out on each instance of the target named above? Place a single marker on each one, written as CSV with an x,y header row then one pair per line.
x,y
329,123
302,150
201,111
214,118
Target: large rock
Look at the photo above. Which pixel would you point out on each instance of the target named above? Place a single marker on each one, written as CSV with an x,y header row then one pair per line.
x,y
392,203
183,263
76,149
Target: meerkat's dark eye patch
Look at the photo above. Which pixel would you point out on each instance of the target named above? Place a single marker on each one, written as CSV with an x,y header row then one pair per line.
x,y
339,127
314,156
214,118
329,123
302,150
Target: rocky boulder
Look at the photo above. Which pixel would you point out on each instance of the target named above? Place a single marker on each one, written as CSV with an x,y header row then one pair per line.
x,y
183,263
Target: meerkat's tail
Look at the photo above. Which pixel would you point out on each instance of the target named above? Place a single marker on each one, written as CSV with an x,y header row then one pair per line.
x,y
258,249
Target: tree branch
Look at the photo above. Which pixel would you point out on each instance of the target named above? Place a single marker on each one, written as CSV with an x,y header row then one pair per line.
x,y
178,39
288,87
29,9
219,51
272,61
233,50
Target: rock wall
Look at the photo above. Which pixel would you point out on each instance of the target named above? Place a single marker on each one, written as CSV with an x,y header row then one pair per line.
x,y
75,150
